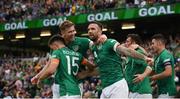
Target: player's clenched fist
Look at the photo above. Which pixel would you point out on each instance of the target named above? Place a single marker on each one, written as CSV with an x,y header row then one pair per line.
x,y
34,80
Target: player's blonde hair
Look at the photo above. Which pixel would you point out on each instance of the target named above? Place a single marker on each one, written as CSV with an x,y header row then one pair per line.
x,y
66,24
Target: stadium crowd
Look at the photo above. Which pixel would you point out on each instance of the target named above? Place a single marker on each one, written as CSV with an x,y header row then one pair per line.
x,y
16,72
11,10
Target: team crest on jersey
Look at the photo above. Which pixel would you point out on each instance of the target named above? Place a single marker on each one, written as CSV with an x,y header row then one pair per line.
x,y
75,48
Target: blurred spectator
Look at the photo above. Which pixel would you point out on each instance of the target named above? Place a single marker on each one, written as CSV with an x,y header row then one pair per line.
x,y
11,10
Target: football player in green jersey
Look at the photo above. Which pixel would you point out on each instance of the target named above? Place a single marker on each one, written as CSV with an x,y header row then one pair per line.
x,y
107,59
163,68
65,64
136,72
78,44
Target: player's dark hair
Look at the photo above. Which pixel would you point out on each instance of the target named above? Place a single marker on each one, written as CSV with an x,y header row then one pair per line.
x,y
98,23
160,37
56,38
135,37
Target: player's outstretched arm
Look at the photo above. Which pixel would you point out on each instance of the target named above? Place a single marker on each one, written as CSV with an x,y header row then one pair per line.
x,y
140,77
166,73
135,46
50,69
129,52
36,77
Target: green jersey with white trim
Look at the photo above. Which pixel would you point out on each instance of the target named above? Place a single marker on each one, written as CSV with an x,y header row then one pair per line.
x,y
80,45
67,70
108,61
136,66
165,85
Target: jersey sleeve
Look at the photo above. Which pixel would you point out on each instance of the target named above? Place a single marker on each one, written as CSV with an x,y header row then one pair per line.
x,y
166,60
113,44
55,55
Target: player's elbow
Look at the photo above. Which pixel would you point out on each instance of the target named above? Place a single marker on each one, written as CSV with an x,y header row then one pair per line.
x,y
168,73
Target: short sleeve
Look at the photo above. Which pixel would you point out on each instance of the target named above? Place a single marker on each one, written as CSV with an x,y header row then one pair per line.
x,y
113,44
166,60
55,54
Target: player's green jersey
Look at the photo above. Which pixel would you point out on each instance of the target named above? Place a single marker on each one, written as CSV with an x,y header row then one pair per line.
x,y
108,61
67,70
133,67
166,85
80,45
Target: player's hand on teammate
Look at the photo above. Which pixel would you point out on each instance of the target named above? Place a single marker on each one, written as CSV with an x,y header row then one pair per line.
x,y
102,39
149,61
138,78
153,78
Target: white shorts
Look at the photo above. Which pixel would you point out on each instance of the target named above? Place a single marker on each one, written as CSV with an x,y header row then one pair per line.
x,y
165,96
136,95
71,97
81,88
55,91
117,90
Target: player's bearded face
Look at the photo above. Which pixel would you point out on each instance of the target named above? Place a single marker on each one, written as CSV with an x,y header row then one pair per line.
x,y
93,32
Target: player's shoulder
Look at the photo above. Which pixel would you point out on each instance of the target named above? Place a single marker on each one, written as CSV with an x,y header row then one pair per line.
x,y
166,55
56,51
82,39
111,41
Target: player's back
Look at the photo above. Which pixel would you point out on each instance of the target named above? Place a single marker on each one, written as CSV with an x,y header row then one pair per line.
x,y
67,70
